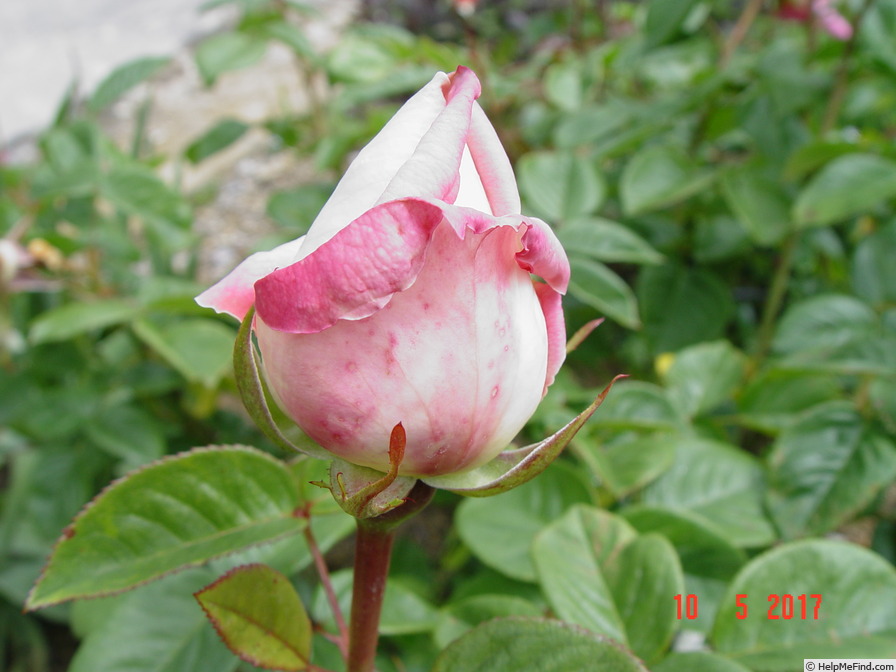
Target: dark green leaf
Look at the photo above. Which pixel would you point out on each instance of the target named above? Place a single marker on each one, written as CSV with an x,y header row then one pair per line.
x,y
499,530
199,349
178,512
73,319
759,204
593,283
849,185
128,433
681,306
459,617
856,618
873,270
514,644
665,19
164,629
220,136
719,483
659,176
826,468
560,185
698,661
627,466
606,240
704,376
227,51
638,405
123,79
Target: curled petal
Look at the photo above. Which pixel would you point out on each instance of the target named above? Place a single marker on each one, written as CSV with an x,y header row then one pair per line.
x,y
377,163
543,255
352,275
234,294
553,317
492,165
434,168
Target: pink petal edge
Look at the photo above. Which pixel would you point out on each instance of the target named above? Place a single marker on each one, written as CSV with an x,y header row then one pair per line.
x,y
352,275
234,294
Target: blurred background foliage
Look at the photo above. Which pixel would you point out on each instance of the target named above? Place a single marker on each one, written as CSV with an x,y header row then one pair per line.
x,y
723,176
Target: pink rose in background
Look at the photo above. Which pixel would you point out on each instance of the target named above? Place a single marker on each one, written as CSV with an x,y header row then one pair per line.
x,y
834,23
412,298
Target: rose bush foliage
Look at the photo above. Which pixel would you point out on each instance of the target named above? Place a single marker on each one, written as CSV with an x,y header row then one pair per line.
x,y
411,298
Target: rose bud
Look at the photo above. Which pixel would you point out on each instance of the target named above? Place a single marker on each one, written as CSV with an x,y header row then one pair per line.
x,y
412,298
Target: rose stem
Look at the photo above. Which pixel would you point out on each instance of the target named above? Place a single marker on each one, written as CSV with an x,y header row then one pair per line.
x,y
373,552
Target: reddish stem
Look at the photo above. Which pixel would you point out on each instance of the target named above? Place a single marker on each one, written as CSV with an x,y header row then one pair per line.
x,y
342,639
373,552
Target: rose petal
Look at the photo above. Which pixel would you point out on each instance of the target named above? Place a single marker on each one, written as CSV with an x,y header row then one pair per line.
x,y
553,316
377,163
352,275
234,294
492,165
433,171
543,255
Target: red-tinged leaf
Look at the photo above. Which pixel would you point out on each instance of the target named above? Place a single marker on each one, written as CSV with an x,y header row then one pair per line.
x,y
258,614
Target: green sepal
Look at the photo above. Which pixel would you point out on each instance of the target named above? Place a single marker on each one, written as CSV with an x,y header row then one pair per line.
x,y
514,467
367,493
249,383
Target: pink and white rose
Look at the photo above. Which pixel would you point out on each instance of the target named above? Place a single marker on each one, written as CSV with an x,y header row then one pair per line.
x,y
413,297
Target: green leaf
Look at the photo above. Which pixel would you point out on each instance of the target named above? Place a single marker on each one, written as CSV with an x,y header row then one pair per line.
x,y
128,433
590,124
682,306
876,33
627,466
560,185
698,661
856,619
759,203
164,629
659,176
849,185
709,561
704,376
595,284
564,85
74,319
258,614
513,644
199,349
665,19
499,530
178,512
641,577
638,405
606,240
218,137
872,268
459,617
597,574
826,468
719,483
297,208
123,79
568,556
774,399
823,322
227,51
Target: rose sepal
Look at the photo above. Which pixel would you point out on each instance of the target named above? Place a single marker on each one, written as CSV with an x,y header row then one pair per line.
x,y
251,389
363,492
514,467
